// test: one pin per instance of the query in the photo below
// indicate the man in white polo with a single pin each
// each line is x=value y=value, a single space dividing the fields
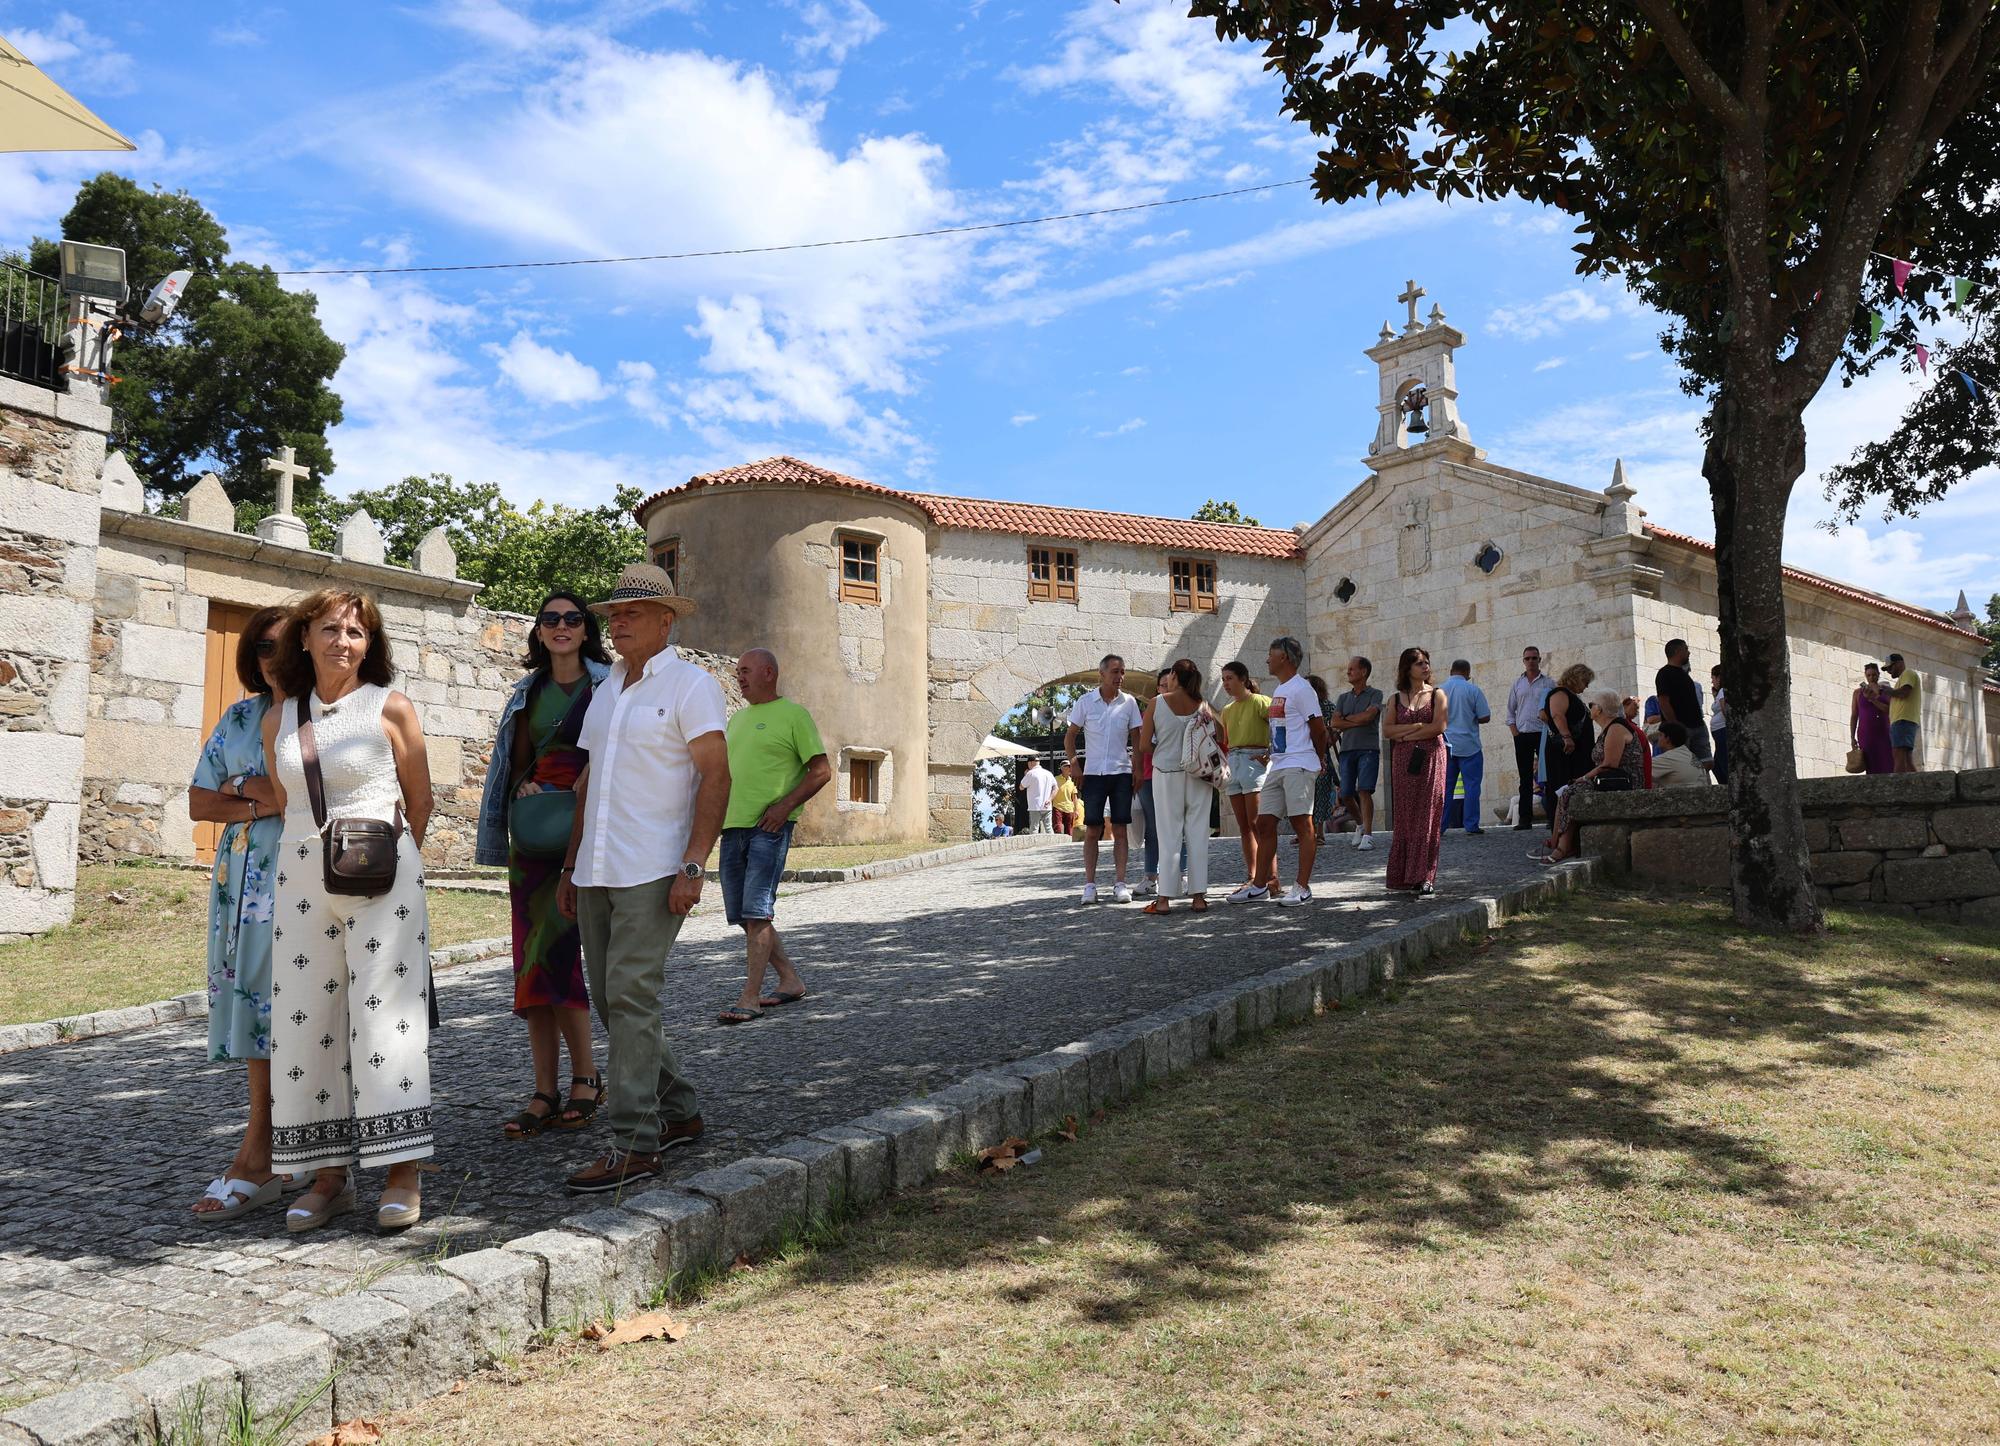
x=1106 y=721
x=1298 y=737
x=1038 y=786
x=649 y=806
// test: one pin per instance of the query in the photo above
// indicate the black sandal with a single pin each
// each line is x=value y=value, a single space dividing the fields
x=576 y=1114
x=527 y=1124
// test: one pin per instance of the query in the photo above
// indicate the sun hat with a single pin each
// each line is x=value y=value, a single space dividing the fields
x=643 y=582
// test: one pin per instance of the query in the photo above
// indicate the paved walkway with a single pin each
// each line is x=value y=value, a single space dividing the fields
x=919 y=980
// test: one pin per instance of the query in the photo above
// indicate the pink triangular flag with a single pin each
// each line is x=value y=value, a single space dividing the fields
x=1924 y=357
x=1902 y=270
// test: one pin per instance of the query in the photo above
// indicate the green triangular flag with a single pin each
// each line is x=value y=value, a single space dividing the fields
x=1875 y=325
x=1960 y=289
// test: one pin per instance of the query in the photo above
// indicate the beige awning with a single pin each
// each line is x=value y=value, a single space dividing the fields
x=1002 y=748
x=36 y=114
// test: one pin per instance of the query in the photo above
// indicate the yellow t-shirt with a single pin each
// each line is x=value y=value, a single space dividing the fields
x=1065 y=800
x=1246 y=723
x=1910 y=709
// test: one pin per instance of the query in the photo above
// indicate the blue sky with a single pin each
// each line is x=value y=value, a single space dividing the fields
x=1142 y=362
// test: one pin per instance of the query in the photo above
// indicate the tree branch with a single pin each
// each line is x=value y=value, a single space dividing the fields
x=1708 y=88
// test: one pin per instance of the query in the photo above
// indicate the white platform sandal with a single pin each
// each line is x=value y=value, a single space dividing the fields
x=239 y=1196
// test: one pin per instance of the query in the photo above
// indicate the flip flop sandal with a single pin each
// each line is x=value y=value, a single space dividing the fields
x=238 y=1197
x=576 y=1114
x=303 y=1217
x=527 y=1124
x=738 y=1014
x=1158 y=906
x=780 y=998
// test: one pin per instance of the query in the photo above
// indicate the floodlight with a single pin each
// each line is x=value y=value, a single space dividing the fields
x=89 y=270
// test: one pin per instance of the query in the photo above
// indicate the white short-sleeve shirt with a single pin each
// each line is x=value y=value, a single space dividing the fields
x=639 y=811
x=1293 y=705
x=1040 y=786
x=1107 y=731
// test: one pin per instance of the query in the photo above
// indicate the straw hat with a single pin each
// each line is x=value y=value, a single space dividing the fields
x=643 y=582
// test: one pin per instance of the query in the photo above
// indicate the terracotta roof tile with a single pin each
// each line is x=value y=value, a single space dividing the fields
x=1026 y=519
x=1827 y=584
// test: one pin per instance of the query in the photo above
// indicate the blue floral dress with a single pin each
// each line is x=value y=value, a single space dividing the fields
x=241 y=899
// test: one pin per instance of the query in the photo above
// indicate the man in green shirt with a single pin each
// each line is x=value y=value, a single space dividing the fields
x=776 y=763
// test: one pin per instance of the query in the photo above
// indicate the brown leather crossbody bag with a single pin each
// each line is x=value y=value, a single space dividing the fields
x=359 y=853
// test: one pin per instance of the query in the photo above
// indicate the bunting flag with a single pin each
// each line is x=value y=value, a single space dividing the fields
x=1970 y=385
x=1902 y=270
x=1876 y=321
x=1961 y=288
x=1923 y=357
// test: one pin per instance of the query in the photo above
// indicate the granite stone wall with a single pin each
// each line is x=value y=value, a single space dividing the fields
x=1924 y=844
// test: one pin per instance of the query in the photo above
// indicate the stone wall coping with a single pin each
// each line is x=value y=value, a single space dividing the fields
x=930 y=859
x=542 y=1281
x=247 y=547
x=1858 y=790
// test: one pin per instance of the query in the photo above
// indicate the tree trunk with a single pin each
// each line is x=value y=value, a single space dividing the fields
x=1756 y=451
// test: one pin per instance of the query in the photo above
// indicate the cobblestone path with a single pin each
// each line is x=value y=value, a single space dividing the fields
x=918 y=980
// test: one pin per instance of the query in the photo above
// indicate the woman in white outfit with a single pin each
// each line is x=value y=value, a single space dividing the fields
x=1183 y=799
x=350 y=1041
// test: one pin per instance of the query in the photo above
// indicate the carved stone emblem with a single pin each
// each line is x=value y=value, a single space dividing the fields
x=1413 y=543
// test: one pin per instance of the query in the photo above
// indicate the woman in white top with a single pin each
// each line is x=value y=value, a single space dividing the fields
x=1183 y=799
x=350 y=1040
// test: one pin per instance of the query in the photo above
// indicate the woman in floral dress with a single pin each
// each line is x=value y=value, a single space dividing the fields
x=232 y=787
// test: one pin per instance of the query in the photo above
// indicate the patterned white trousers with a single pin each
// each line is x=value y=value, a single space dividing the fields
x=350 y=1026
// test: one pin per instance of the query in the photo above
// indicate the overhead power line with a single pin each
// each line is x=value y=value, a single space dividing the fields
x=795 y=245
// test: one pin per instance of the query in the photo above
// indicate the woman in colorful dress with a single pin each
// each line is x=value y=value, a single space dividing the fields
x=536 y=752
x=1868 y=723
x=232 y=787
x=1617 y=765
x=1417 y=758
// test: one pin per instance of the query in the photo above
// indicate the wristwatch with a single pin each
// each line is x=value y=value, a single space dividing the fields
x=693 y=871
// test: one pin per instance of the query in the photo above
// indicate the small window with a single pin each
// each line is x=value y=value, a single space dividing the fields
x=1191 y=583
x=667 y=557
x=863 y=779
x=860 y=570
x=1051 y=574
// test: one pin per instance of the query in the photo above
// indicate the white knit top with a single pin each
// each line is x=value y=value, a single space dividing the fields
x=356 y=760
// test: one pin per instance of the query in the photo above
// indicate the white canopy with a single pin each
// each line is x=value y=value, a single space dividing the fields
x=36 y=114
x=1002 y=748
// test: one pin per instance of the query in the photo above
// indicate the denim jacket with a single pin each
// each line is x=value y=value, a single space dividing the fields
x=492 y=848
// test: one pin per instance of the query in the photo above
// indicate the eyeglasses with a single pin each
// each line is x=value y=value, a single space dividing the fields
x=267 y=647
x=554 y=619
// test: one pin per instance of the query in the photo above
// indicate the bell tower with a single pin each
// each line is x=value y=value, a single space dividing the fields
x=1418 y=406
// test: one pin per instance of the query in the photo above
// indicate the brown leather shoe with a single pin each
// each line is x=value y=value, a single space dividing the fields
x=614 y=1172
x=680 y=1132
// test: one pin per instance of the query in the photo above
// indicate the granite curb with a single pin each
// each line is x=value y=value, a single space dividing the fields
x=908 y=863
x=413 y=1333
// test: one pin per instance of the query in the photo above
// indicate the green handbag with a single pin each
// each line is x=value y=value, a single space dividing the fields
x=539 y=824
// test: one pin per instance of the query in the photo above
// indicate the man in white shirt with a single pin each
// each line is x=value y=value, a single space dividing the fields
x=649 y=807
x=1038 y=785
x=1298 y=737
x=1106 y=721
x=1525 y=702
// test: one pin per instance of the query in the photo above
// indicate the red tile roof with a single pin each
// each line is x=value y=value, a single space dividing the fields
x=1025 y=519
x=1827 y=584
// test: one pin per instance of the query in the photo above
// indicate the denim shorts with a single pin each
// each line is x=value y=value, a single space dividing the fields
x=1902 y=735
x=1107 y=790
x=752 y=863
x=1246 y=771
x=1359 y=771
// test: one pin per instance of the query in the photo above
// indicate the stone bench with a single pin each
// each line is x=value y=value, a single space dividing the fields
x=1910 y=843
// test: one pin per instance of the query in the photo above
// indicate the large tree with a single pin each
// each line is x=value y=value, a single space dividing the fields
x=1735 y=163
x=239 y=371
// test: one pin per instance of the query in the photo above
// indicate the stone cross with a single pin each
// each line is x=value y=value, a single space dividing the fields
x=285 y=464
x=1411 y=294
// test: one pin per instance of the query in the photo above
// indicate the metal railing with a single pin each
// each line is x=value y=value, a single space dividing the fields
x=31 y=326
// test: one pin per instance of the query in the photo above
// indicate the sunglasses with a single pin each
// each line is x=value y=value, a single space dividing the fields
x=554 y=619
x=267 y=647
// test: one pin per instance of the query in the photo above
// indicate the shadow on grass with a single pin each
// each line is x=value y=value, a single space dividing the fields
x=1571 y=1054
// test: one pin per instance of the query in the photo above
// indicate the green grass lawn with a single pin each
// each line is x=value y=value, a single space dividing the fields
x=1620 y=1173
x=141 y=934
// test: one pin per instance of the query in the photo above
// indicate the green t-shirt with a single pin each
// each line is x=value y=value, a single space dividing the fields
x=770 y=745
x=1246 y=723
x=1910 y=709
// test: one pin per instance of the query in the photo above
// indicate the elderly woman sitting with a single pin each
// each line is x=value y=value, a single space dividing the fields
x=1618 y=764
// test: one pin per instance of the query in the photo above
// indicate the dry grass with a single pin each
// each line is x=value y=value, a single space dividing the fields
x=1621 y=1174
x=141 y=934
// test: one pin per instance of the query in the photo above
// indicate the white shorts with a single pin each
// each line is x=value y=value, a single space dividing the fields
x=1287 y=793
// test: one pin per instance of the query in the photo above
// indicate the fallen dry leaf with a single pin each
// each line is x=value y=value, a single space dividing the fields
x=653 y=1325
x=995 y=1159
x=1097 y=1117
x=351 y=1433
x=1068 y=1130
x=457 y=1389
x=743 y=1262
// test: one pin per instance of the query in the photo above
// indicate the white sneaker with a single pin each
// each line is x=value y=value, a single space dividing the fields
x=1354 y=839
x=1121 y=893
x=1249 y=893
x=1294 y=896
x=1366 y=843
x=1090 y=893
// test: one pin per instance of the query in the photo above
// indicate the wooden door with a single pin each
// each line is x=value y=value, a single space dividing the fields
x=220 y=688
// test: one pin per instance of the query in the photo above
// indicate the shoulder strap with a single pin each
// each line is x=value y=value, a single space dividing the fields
x=309 y=759
x=562 y=724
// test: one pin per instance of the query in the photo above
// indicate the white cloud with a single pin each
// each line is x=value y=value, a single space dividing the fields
x=1130 y=424
x=1154 y=57
x=1021 y=419
x=1550 y=364
x=234 y=35
x=75 y=55
x=642 y=392
x=1138 y=371
x=835 y=29
x=543 y=374
x=1568 y=307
